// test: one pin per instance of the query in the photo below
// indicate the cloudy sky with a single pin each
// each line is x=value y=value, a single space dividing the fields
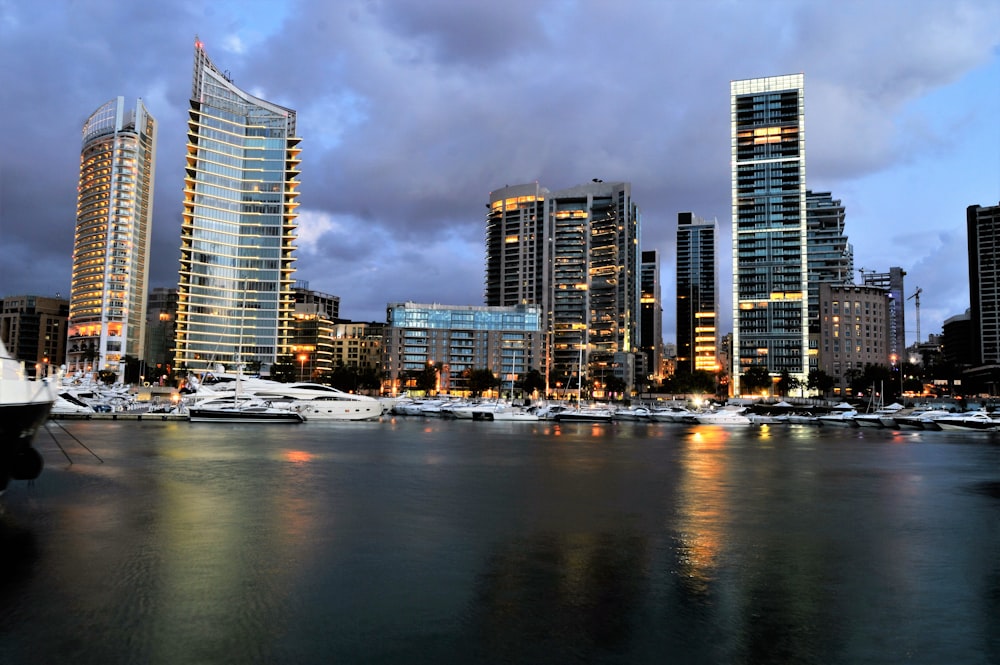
x=411 y=112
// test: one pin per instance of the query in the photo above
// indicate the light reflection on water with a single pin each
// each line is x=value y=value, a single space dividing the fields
x=435 y=541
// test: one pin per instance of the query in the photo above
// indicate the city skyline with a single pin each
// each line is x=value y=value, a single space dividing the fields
x=409 y=118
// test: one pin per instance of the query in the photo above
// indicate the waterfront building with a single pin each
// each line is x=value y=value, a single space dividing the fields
x=594 y=287
x=650 y=359
x=854 y=331
x=769 y=234
x=454 y=339
x=358 y=345
x=957 y=348
x=697 y=294
x=892 y=283
x=983 y=227
x=33 y=329
x=235 y=301
x=161 y=320
x=515 y=246
x=114 y=212
x=323 y=304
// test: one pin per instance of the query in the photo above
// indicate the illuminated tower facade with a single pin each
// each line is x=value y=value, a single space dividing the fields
x=769 y=234
x=697 y=294
x=107 y=311
x=234 y=295
x=515 y=246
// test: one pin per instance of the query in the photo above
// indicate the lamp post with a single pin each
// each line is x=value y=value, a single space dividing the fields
x=302 y=366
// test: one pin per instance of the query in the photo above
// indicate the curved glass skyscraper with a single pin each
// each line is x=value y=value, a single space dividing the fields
x=107 y=312
x=234 y=295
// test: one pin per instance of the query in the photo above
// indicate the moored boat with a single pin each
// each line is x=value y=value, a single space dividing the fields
x=24 y=406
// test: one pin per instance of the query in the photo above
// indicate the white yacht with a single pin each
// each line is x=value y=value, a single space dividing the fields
x=314 y=401
x=24 y=407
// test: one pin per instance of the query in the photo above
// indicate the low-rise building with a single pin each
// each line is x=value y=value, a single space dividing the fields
x=854 y=331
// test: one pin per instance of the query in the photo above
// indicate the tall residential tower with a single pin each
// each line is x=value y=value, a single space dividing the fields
x=114 y=212
x=234 y=295
x=697 y=294
x=770 y=259
x=983 y=224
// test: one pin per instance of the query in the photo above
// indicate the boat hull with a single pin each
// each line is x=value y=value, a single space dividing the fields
x=19 y=422
x=196 y=415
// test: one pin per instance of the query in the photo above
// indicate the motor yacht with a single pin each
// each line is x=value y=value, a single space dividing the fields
x=24 y=406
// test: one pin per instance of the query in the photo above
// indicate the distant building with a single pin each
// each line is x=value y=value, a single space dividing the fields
x=235 y=301
x=892 y=284
x=697 y=294
x=33 y=329
x=320 y=303
x=957 y=347
x=983 y=226
x=358 y=345
x=454 y=338
x=769 y=221
x=853 y=331
x=114 y=212
x=161 y=321
x=650 y=317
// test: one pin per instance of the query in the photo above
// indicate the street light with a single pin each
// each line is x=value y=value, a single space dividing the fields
x=302 y=366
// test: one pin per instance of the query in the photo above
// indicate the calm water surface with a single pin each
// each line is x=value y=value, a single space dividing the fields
x=429 y=541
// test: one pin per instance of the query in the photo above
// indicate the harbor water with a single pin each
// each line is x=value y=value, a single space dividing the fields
x=435 y=541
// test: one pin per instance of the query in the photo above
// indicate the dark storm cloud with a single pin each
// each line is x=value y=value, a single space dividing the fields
x=412 y=112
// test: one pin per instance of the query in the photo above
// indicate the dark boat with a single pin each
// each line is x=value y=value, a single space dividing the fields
x=24 y=407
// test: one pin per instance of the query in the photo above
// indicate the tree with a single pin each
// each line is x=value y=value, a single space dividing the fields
x=820 y=381
x=427 y=378
x=787 y=383
x=480 y=380
x=532 y=381
x=755 y=379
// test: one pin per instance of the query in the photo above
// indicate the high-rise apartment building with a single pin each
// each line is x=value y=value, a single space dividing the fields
x=697 y=294
x=769 y=235
x=983 y=226
x=831 y=256
x=853 y=330
x=515 y=246
x=114 y=212
x=33 y=329
x=892 y=283
x=651 y=314
x=234 y=294
x=595 y=276
x=575 y=253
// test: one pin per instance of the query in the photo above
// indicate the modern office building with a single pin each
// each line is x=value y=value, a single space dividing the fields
x=892 y=283
x=515 y=246
x=114 y=212
x=234 y=295
x=769 y=226
x=650 y=315
x=452 y=339
x=697 y=294
x=854 y=331
x=33 y=330
x=594 y=283
x=983 y=226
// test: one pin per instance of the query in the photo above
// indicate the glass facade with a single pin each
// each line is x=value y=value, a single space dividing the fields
x=235 y=301
x=983 y=226
x=697 y=294
x=769 y=236
x=107 y=315
x=455 y=339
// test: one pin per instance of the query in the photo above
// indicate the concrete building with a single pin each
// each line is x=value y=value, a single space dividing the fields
x=892 y=284
x=697 y=294
x=509 y=341
x=33 y=329
x=769 y=226
x=235 y=301
x=854 y=331
x=114 y=212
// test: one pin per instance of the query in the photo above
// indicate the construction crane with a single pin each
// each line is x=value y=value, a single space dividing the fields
x=916 y=298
